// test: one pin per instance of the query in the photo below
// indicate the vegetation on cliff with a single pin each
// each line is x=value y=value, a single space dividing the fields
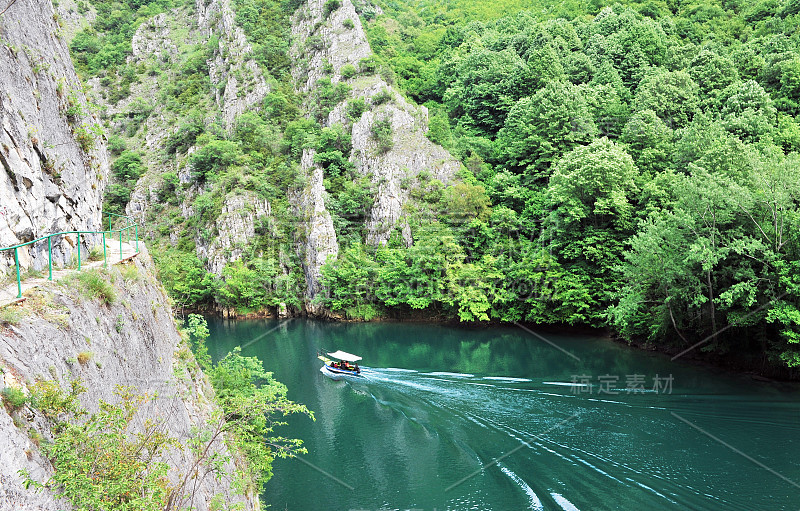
x=115 y=458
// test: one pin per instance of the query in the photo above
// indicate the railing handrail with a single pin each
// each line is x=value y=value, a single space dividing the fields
x=67 y=232
x=131 y=225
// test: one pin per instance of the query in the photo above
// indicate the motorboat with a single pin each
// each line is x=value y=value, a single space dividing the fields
x=340 y=363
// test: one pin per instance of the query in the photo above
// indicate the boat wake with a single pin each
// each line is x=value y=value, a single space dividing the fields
x=478 y=416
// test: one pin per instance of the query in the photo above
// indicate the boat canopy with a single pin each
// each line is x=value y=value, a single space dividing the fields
x=347 y=357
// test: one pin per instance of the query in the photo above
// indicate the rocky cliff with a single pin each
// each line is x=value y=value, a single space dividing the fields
x=61 y=334
x=232 y=230
x=53 y=168
x=238 y=81
x=53 y=162
x=333 y=44
x=237 y=85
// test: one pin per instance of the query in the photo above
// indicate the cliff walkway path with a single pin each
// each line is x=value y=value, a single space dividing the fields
x=115 y=250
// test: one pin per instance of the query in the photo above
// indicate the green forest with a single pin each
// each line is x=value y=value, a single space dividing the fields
x=632 y=166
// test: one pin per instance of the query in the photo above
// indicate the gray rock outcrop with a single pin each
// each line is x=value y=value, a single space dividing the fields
x=323 y=46
x=315 y=236
x=242 y=82
x=132 y=342
x=53 y=162
x=238 y=86
x=232 y=230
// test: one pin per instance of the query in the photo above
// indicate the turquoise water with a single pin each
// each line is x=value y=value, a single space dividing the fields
x=499 y=419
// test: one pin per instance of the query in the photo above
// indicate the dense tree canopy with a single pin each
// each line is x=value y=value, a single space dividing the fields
x=637 y=160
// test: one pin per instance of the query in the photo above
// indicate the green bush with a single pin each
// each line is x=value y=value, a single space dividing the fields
x=116 y=144
x=328 y=96
x=196 y=328
x=368 y=65
x=348 y=71
x=128 y=167
x=84 y=138
x=330 y=6
x=214 y=158
x=93 y=285
x=96 y=253
x=333 y=148
x=190 y=127
x=315 y=43
x=355 y=107
x=13 y=398
x=382 y=97
x=116 y=198
x=348 y=23
x=383 y=134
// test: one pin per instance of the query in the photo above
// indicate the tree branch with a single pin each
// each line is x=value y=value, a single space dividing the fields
x=8 y=6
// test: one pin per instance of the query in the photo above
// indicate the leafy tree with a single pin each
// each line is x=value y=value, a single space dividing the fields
x=184 y=277
x=649 y=141
x=333 y=150
x=591 y=195
x=540 y=128
x=190 y=127
x=100 y=461
x=128 y=167
x=254 y=404
x=196 y=328
x=487 y=85
x=713 y=73
x=748 y=111
x=634 y=44
x=464 y=202
x=708 y=145
x=672 y=95
x=213 y=158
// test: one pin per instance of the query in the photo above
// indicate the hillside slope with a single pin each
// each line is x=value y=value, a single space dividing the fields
x=221 y=145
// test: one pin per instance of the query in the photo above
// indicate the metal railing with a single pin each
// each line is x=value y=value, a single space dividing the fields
x=131 y=225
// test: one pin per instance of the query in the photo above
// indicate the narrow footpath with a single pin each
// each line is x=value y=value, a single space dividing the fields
x=8 y=290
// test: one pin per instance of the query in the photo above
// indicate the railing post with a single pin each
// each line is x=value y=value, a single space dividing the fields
x=105 y=258
x=120 y=244
x=50 y=256
x=136 y=231
x=79 y=251
x=19 y=282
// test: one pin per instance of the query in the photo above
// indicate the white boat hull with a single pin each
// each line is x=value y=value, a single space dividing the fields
x=338 y=374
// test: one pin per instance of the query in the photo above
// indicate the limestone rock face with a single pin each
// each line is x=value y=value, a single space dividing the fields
x=232 y=230
x=316 y=237
x=339 y=45
x=53 y=162
x=244 y=84
x=411 y=153
x=238 y=85
x=322 y=42
x=132 y=342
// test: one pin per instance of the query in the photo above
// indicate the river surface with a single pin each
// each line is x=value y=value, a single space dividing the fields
x=449 y=418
